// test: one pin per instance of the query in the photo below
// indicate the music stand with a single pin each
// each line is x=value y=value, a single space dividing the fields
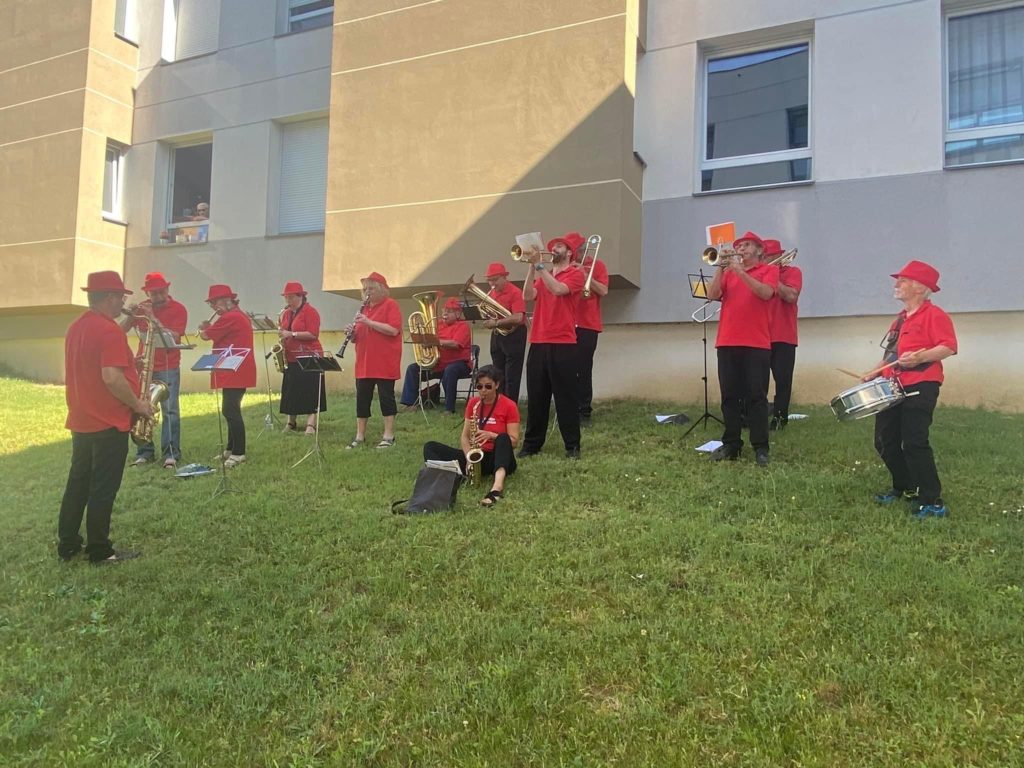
x=699 y=290
x=471 y=312
x=320 y=365
x=262 y=324
x=427 y=339
x=225 y=359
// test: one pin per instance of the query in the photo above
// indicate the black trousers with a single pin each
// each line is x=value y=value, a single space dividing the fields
x=508 y=354
x=551 y=372
x=901 y=439
x=364 y=396
x=97 y=466
x=743 y=377
x=782 y=363
x=501 y=457
x=231 y=407
x=586 y=346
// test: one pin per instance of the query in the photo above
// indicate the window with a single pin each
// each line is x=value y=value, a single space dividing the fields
x=113 y=182
x=985 y=98
x=190 y=213
x=309 y=14
x=303 y=176
x=756 y=128
x=125 y=20
x=197 y=26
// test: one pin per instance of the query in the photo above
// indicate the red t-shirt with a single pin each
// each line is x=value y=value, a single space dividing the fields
x=928 y=327
x=505 y=412
x=782 y=315
x=458 y=331
x=95 y=342
x=173 y=316
x=744 y=318
x=511 y=298
x=554 y=317
x=305 y=319
x=233 y=329
x=379 y=356
x=588 y=312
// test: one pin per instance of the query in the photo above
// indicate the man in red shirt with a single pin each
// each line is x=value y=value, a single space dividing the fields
x=508 y=350
x=102 y=393
x=919 y=339
x=745 y=287
x=588 y=326
x=453 y=363
x=551 y=368
x=173 y=318
x=782 y=312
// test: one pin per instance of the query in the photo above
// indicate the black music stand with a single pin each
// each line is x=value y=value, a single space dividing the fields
x=321 y=365
x=699 y=290
x=262 y=324
x=226 y=359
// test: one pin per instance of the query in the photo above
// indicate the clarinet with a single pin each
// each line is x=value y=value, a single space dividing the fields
x=350 y=334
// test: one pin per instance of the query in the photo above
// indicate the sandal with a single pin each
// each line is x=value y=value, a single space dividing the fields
x=233 y=461
x=386 y=442
x=310 y=429
x=290 y=427
x=491 y=498
x=357 y=443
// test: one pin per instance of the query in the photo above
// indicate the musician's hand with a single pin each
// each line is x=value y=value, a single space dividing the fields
x=350 y=329
x=483 y=435
x=911 y=359
x=204 y=325
x=736 y=265
x=490 y=324
x=283 y=334
x=143 y=408
x=361 y=318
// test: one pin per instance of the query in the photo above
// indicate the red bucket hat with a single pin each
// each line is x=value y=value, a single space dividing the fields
x=496 y=269
x=107 y=281
x=748 y=235
x=293 y=287
x=925 y=274
x=772 y=248
x=220 y=292
x=155 y=281
x=453 y=303
x=377 y=277
x=572 y=241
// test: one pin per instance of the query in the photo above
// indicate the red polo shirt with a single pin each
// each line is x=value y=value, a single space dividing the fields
x=233 y=329
x=928 y=327
x=458 y=331
x=379 y=356
x=505 y=412
x=305 y=319
x=511 y=298
x=95 y=342
x=173 y=316
x=588 y=312
x=744 y=319
x=782 y=315
x=554 y=317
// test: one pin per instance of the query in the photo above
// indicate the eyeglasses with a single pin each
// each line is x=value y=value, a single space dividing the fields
x=485 y=386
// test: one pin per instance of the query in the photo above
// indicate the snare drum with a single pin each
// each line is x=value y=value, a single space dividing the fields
x=867 y=399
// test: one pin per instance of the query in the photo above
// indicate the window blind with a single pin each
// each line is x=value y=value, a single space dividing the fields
x=303 y=176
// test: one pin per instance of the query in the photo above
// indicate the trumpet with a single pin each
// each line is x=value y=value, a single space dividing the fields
x=593 y=242
x=717 y=257
x=518 y=255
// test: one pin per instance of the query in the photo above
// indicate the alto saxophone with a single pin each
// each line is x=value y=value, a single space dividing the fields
x=475 y=454
x=280 y=362
x=156 y=391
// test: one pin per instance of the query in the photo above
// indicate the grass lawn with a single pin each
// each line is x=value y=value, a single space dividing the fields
x=640 y=607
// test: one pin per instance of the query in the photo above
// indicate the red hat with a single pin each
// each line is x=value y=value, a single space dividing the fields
x=925 y=274
x=572 y=241
x=293 y=287
x=220 y=292
x=155 y=281
x=496 y=269
x=453 y=303
x=107 y=281
x=748 y=236
x=772 y=248
x=377 y=277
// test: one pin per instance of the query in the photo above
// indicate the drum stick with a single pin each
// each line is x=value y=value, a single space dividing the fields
x=849 y=373
x=881 y=368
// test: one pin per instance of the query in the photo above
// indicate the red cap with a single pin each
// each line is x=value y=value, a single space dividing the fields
x=107 y=281
x=772 y=248
x=453 y=303
x=748 y=235
x=925 y=274
x=377 y=277
x=155 y=281
x=220 y=292
x=572 y=241
x=293 y=287
x=496 y=269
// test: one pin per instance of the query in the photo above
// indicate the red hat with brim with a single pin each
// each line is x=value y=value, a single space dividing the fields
x=377 y=277
x=453 y=303
x=925 y=274
x=772 y=248
x=497 y=269
x=155 y=281
x=748 y=237
x=107 y=281
x=572 y=241
x=220 y=292
x=293 y=288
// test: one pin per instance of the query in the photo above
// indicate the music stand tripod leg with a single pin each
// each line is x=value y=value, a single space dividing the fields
x=707 y=415
x=315 y=450
x=270 y=421
x=222 y=484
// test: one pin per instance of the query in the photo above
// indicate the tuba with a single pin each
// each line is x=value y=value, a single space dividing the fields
x=155 y=390
x=488 y=308
x=424 y=321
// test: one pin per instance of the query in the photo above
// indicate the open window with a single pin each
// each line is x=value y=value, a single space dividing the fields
x=113 y=182
x=188 y=217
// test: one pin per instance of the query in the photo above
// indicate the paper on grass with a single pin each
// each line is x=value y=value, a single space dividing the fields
x=671 y=418
x=709 y=446
x=797 y=416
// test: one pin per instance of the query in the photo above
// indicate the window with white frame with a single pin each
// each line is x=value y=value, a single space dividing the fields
x=189 y=194
x=126 y=20
x=985 y=87
x=113 y=182
x=309 y=14
x=756 y=118
x=303 y=196
x=197 y=27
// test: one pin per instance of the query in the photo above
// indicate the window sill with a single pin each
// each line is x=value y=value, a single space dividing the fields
x=278 y=235
x=301 y=31
x=181 y=244
x=990 y=164
x=114 y=220
x=128 y=40
x=704 y=193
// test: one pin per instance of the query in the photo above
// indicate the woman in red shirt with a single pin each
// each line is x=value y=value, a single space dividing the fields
x=301 y=391
x=377 y=334
x=497 y=433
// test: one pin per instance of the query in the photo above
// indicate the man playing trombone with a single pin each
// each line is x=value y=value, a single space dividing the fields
x=589 y=325
x=782 y=321
x=508 y=351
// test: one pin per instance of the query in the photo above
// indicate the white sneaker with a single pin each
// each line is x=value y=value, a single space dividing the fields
x=139 y=462
x=233 y=461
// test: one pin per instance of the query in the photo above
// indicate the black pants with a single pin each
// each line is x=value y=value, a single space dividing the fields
x=501 y=457
x=782 y=363
x=97 y=466
x=231 y=407
x=551 y=371
x=743 y=376
x=508 y=354
x=586 y=346
x=364 y=396
x=901 y=439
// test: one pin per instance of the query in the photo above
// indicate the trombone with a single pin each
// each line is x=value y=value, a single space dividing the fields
x=593 y=242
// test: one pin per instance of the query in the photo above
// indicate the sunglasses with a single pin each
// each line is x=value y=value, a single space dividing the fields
x=485 y=386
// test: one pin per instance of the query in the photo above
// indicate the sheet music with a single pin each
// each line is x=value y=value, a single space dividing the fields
x=529 y=241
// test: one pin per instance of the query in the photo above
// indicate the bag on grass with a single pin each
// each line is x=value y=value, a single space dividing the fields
x=437 y=485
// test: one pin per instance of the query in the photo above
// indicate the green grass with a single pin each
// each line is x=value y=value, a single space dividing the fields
x=638 y=608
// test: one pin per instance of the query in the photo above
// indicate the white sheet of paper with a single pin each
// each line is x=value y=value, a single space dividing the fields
x=797 y=416
x=709 y=446
x=664 y=418
x=530 y=240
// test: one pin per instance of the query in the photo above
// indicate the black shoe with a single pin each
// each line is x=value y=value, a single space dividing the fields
x=525 y=454
x=67 y=557
x=119 y=556
x=725 y=453
x=586 y=421
x=761 y=457
x=572 y=453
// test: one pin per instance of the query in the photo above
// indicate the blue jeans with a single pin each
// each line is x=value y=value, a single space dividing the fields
x=170 y=419
x=449 y=376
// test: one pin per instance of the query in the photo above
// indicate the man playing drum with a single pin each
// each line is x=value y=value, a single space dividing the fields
x=918 y=340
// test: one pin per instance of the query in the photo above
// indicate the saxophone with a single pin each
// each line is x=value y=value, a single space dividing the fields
x=474 y=455
x=156 y=391
x=280 y=362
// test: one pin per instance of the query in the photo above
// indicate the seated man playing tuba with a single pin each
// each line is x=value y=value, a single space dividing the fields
x=450 y=363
